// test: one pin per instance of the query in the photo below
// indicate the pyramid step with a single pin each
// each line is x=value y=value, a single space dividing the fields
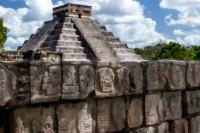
x=70 y=49
x=123 y=50
x=112 y=39
x=67 y=20
x=69 y=37
x=65 y=25
x=117 y=46
x=102 y=28
x=68 y=43
x=62 y=43
x=107 y=34
x=64 y=31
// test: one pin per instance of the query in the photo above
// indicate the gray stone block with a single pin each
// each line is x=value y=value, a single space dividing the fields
x=193 y=74
x=162 y=75
x=194 y=125
x=153 y=109
x=172 y=106
x=180 y=126
x=20 y=70
x=155 y=75
x=130 y=77
x=45 y=82
x=163 y=128
x=192 y=102
x=176 y=75
x=111 y=115
x=105 y=83
x=160 y=108
x=135 y=113
x=7 y=85
x=76 y=118
x=78 y=82
x=33 y=120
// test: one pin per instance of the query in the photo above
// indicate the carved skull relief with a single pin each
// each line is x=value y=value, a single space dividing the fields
x=106 y=77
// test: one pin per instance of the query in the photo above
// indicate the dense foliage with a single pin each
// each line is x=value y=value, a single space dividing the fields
x=3 y=35
x=171 y=50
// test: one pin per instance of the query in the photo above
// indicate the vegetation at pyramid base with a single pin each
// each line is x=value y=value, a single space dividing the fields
x=171 y=50
x=3 y=34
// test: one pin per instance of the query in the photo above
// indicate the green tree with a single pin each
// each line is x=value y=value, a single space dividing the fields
x=175 y=51
x=194 y=52
x=3 y=34
x=150 y=52
x=171 y=50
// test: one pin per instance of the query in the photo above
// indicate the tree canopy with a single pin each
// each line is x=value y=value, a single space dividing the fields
x=3 y=34
x=171 y=50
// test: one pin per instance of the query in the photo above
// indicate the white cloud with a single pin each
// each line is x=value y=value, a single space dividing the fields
x=188 y=37
x=125 y=18
x=24 y=21
x=179 y=32
x=39 y=9
x=188 y=12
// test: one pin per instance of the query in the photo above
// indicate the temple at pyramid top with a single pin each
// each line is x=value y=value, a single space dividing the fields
x=78 y=37
x=72 y=10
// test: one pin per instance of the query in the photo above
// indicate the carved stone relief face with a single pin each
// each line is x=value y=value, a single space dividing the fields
x=33 y=120
x=70 y=84
x=106 y=78
x=45 y=82
x=86 y=79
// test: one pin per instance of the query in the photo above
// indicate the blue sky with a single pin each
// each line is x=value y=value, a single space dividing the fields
x=136 y=22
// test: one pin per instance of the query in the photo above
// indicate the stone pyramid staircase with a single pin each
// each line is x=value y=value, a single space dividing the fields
x=65 y=39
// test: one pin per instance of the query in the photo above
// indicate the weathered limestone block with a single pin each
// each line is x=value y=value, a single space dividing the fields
x=192 y=101
x=146 y=130
x=33 y=120
x=155 y=75
x=180 y=126
x=70 y=87
x=7 y=85
x=86 y=80
x=193 y=74
x=130 y=77
x=78 y=82
x=135 y=113
x=111 y=115
x=176 y=75
x=22 y=86
x=153 y=109
x=165 y=75
x=45 y=81
x=105 y=83
x=76 y=118
x=194 y=125
x=160 y=108
x=172 y=106
x=163 y=128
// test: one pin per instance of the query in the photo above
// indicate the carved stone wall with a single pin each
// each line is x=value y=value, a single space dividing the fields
x=133 y=97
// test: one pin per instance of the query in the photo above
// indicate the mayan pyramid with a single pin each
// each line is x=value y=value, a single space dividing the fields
x=78 y=37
